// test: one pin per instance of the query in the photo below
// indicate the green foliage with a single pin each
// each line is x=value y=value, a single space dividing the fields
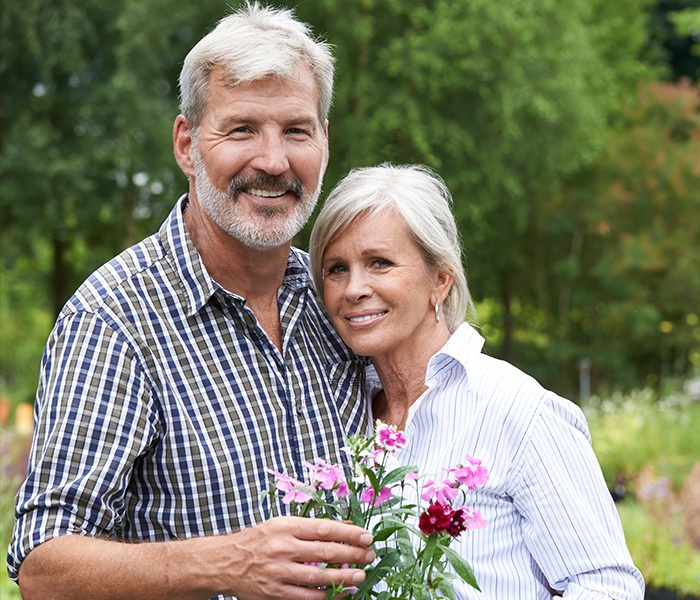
x=636 y=430
x=23 y=332
x=523 y=106
x=650 y=445
x=642 y=237
x=509 y=101
x=13 y=456
x=85 y=160
x=660 y=556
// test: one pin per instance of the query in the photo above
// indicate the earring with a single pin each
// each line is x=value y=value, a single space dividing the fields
x=437 y=311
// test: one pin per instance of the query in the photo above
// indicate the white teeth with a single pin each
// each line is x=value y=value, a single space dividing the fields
x=266 y=193
x=365 y=318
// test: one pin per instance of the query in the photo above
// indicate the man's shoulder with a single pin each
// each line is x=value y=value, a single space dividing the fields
x=126 y=270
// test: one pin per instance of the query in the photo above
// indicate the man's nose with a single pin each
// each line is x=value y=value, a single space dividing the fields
x=272 y=155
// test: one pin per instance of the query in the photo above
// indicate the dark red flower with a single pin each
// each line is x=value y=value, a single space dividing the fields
x=442 y=517
x=435 y=519
x=457 y=523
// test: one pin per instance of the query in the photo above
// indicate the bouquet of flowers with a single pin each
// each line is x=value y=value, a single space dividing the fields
x=389 y=500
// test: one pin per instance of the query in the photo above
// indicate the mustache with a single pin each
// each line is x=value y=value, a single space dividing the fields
x=265 y=182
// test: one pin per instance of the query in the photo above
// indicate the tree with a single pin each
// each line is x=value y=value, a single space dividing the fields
x=86 y=167
x=506 y=100
x=645 y=239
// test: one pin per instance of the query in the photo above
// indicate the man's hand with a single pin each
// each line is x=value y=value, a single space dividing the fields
x=265 y=562
x=272 y=560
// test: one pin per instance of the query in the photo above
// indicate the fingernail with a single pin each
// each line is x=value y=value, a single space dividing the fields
x=358 y=578
x=366 y=539
x=370 y=556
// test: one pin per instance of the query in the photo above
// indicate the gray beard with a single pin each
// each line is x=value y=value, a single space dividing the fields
x=268 y=227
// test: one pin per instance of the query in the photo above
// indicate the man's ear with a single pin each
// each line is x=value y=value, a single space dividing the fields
x=183 y=145
x=327 y=149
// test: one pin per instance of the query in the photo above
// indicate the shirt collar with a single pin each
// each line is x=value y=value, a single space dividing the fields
x=463 y=347
x=197 y=285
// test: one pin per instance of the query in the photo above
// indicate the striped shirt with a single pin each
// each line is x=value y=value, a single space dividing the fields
x=162 y=402
x=551 y=522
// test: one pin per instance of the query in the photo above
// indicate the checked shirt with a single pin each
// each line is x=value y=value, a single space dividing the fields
x=162 y=403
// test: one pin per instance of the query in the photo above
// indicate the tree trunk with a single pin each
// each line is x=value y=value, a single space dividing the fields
x=59 y=273
x=507 y=345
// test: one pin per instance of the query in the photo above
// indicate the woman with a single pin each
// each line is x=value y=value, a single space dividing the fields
x=386 y=258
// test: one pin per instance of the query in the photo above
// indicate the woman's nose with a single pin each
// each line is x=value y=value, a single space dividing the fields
x=358 y=285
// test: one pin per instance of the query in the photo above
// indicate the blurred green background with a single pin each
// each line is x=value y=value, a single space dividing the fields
x=568 y=132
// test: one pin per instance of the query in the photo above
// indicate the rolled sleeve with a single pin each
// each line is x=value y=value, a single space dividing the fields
x=571 y=525
x=93 y=419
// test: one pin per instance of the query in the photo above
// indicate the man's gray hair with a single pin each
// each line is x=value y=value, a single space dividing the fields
x=253 y=43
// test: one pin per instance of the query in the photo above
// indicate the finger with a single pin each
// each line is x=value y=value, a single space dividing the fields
x=331 y=553
x=315 y=576
x=331 y=531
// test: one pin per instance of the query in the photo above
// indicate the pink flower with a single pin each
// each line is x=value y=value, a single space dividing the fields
x=367 y=496
x=443 y=492
x=329 y=477
x=299 y=495
x=295 y=490
x=285 y=483
x=472 y=473
x=474 y=520
x=389 y=437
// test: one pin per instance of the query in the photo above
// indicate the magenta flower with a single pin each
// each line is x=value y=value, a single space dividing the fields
x=298 y=494
x=472 y=473
x=474 y=520
x=368 y=497
x=285 y=483
x=443 y=492
x=389 y=437
x=329 y=477
x=295 y=490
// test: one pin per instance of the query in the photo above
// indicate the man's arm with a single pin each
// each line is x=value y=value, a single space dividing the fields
x=265 y=562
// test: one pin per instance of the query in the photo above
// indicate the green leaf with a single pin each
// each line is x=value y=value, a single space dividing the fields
x=397 y=475
x=376 y=572
x=428 y=552
x=382 y=534
x=461 y=567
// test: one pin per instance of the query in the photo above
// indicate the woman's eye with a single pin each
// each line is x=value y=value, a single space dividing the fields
x=380 y=263
x=335 y=271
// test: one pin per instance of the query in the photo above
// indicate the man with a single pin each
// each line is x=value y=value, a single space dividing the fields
x=194 y=362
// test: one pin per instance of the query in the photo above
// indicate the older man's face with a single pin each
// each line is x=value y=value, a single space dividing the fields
x=260 y=157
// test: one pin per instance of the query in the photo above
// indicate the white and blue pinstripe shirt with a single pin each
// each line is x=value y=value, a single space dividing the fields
x=161 y=402
x=551 y=522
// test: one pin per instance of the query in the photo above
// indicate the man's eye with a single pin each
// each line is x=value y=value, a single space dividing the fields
x=237 y=131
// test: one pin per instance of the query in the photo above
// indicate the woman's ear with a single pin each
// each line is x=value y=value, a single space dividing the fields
x=442 y=284
x=183 y=145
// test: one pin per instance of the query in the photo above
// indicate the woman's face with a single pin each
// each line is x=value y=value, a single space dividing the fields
x=378 y=291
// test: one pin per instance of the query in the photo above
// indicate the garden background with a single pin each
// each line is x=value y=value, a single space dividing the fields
x=568 y=132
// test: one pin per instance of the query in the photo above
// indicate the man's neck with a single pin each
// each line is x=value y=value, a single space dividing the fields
x=255 y=275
